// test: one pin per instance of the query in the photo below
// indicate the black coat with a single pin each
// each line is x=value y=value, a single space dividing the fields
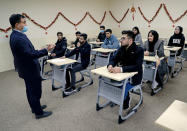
x=130 y=60
x=60 y=48
x=25 y=56
x=84 y=51
x=101 y=36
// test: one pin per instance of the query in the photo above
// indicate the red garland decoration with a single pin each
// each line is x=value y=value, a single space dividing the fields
x=99 y=23
x=151 y=20
x=170 y=17
x=45 y=28
x=119 y=21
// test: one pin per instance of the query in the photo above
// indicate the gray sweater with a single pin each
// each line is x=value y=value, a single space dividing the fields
x=159 y=46
x=138 y=39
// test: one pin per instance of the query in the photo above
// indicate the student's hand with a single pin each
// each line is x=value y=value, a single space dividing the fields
x=98 y=40
x=157 y=62
x=110 y=68
x=63 y=57
x=78 y=44
x=117 y=70
x=72 y=45
x=53 y=54
x=146 y=53
x=50 y=47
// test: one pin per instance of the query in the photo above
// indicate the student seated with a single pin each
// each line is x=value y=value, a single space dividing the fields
x=74 y=44
x=129 y=58
x=101 y=37
x=60 y=46
x=84 y=49
x=111 y=42
x=177 y=39
x=137 y=35
x=153 y=46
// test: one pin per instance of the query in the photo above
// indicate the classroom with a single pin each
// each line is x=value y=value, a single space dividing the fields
x=102 y=65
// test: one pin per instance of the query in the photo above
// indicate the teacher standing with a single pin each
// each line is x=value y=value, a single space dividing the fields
x=27 y=65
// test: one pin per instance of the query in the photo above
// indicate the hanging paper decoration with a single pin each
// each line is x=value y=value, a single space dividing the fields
x=133 y=11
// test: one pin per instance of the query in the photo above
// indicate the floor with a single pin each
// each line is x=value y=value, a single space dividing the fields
x=78 y=111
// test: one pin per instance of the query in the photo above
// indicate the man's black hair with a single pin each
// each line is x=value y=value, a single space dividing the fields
x=84 y=36
x=59 y=33
x=15 y=18
x=109 y=30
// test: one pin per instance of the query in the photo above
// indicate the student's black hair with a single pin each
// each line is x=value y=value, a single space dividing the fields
x=78 y=33
x=102 y=26
x=155 y=34
x=123 y=32
x=84 y=35
x=136 y=28
x=15 y=18
x=108 y=30
x=129 y=34
x=59 y=33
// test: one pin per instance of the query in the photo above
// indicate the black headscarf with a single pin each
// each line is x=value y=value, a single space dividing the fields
x=155 y=39
x=180 y=33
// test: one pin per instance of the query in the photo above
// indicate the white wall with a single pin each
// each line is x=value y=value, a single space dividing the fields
x=44 y=11
x=162 y=23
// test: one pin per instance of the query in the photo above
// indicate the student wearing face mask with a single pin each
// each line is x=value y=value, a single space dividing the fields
x=129 y=58
x=153 y=46
x=177 y=39
x=26 y=62
x=137 y=35
x=101 y=37
x=84 y=50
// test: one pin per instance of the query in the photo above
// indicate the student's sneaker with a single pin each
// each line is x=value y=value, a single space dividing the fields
x=71 y=89
x=126 y=103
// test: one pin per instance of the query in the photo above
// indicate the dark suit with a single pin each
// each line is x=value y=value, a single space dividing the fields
x=28 y=67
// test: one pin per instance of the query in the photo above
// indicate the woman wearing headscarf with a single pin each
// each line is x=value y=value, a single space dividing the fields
x=177 y=39
x=153 y=46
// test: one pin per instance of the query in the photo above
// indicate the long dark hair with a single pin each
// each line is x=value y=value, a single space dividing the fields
x=155 y=34
x=136 y=28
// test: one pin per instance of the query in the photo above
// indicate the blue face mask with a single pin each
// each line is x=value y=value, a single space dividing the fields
x=25 y=28
x=102 y=31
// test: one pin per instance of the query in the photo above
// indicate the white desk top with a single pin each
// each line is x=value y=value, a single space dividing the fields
x=185 y=48
x=71 y=48
x=60 y=62
x=175 y=117
x=103 y=71
x=171 y=48
x=103 y=50
x=151 y=58
x=95 y=43
x=185 y=42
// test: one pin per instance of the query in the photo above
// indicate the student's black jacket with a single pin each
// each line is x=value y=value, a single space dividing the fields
x=60 y=47
x=84 y=51
x=130 y=60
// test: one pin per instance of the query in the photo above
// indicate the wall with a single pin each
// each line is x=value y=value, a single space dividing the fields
x=162 y=23
x=44 y=11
